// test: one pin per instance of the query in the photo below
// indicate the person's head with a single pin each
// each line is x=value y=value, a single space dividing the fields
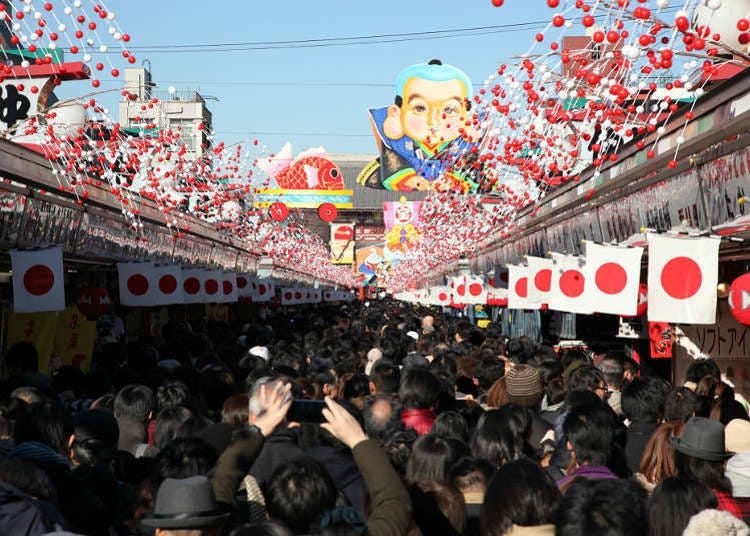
x=420 y=389
x=382 y=418
x=235 y=410
x=630 y=370
x=502 y=435
x=523 y=385
x=28 y=394
x=431 y=456
x=431 y=103
x=680 y=404
x=47 y=422
x=28 y=478
x=136 y=402
x=184 y=457
x=356 y=387
x=451 y=425
x=590 y=430
x=173 y=393
x=612 y=370
x=643 y=399
x=674 y=501
x=299 y=493
x=614 y=507
x=520 y=493
x=588 y=378
x=385 y=377
x=701 y=368
x=94 y=439
x=449 y=500
x=657 y=462
x=471 y=475
x=186 y=507
x=21 y=359
x=168 y=422
x=701 y=453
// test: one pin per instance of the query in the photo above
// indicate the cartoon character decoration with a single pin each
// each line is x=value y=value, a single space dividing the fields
x=428 y=139
x=311 y=170
x=402 y=223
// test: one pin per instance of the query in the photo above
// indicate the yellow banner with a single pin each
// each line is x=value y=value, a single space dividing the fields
x=36 y=328
x=74 y=339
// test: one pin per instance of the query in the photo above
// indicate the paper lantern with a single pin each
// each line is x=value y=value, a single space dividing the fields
x=93 y=301
x=739 y=299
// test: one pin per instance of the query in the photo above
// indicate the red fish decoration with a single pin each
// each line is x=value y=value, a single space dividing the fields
x=311 y=170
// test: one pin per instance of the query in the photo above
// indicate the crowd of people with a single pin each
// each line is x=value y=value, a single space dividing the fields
x=380 y=419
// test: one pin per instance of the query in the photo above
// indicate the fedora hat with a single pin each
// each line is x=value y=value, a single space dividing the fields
x=185 y=503
x=702 y=438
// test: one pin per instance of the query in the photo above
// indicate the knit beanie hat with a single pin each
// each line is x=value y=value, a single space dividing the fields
x=523 y=385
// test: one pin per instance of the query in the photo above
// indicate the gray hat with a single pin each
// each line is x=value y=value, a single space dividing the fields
x=185 y=503
x=702 y=438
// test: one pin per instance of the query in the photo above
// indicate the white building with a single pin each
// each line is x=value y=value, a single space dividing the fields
x=174 y=108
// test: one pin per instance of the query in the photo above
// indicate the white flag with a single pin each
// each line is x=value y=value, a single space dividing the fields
x=682 y=278
x=167 y=285
x=518 y=289
x=192 y=285
x=614 y=273
x=228 y=292
x=244 y=283
x=568 y=291
x=441 y=295
x=38 y=280
x=137 y=284
x=264 y=290
x=288 y=296
x=539 y=273
x=212 y=287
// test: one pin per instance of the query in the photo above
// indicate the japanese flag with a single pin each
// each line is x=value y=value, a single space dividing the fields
x=475 y=290
x=264 y=290
x=682 y=278
x=539 y=275
x=212 y=286
x=288 y=296
x=518 y=289
x=440 y=295
x=244 y=284
x=167 y=285
x=38 y=280
x=569 y=285
x=192 y=285
x=137 y=284
x=614 y=273
x=228 y=290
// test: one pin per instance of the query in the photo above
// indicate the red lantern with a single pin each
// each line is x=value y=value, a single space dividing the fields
x=739 y=299
x=93 y=301
x=327 y=212
x=278 y=211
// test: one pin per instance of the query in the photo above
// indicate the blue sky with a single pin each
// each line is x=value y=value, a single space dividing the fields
x=295 y=92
